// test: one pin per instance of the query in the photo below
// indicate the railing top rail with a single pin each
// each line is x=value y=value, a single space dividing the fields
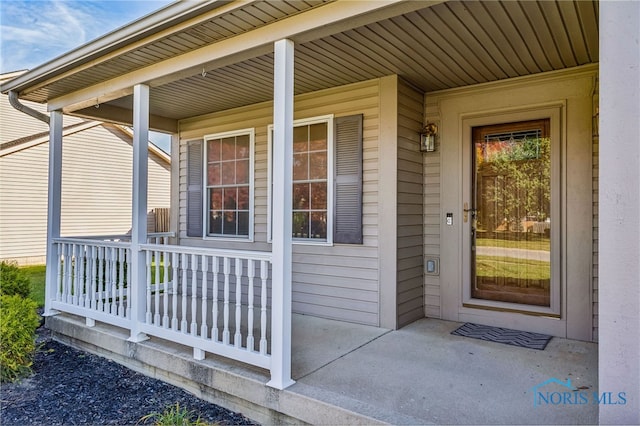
x=241 y=254
x=120 y=236
x=90 y=242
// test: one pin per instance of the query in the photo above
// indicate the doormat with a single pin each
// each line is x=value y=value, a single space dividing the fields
x=524 y=339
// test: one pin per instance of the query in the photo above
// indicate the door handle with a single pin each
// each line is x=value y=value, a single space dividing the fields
x=466 y=210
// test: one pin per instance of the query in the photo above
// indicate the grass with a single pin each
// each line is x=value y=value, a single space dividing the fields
x=521 y=269
x=36 y=275
x=173 y=415
x=522 y=244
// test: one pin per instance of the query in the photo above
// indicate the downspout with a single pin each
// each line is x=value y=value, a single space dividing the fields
x=15 y=102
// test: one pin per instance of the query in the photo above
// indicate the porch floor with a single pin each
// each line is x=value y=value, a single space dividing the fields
x=353 y=374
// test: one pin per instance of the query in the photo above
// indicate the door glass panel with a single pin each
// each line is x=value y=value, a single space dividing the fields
x=511 y=213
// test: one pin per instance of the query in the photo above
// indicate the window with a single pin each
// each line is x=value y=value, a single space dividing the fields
x=229 y=184
x=327 y=180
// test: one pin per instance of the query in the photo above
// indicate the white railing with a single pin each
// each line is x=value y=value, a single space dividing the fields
x=212 y=300
x=215 y=301
x=92 y=279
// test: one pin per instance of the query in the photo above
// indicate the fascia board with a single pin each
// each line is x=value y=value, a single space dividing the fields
x=143 y=30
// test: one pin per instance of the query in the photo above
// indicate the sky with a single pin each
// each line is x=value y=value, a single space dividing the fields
x=33 y=32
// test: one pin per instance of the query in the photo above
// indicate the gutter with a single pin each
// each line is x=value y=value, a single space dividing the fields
x=15 y=102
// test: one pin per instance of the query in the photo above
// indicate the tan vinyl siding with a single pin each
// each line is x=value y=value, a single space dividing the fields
x=410 y=294
x=96 y=191
x=16 y=125
x=596 y=177
x=431 y=191
x=23 y=205
x=338 y=282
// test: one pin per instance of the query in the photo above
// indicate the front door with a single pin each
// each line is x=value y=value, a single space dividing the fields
x=510 y=215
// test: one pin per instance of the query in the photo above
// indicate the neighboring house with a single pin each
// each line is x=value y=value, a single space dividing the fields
x=299 y=171
x=96 y=183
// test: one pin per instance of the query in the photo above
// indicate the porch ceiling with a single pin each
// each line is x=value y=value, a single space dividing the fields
x=446 y=45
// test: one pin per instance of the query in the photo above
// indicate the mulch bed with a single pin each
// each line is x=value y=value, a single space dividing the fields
x=71 y=387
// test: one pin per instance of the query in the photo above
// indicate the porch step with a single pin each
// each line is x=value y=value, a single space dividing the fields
x=221 y=381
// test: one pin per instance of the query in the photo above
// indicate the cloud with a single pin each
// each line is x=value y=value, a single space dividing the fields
x=34 y=32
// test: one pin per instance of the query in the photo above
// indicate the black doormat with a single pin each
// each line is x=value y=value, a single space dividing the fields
x=507 y=336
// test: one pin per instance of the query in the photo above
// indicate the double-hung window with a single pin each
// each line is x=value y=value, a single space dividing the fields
x=326 y=179
x=229 y=184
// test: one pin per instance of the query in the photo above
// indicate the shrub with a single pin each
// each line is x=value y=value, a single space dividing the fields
x=13 y=280
x=18 y=323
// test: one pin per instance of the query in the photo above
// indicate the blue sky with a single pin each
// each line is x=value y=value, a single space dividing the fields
x=33 y=32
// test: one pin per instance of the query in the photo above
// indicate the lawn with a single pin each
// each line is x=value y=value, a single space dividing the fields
x=543 y=244
x=521 y=269
x=36 y=275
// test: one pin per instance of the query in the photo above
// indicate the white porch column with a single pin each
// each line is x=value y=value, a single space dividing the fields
x=619 y=224
x=282 y=190
x=139 y=208
x=54 y=206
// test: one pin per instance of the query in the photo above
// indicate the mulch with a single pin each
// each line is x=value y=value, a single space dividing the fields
x=72 y=387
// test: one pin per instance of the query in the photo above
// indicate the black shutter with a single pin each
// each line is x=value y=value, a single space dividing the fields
x=348 y=180
x=194 y=188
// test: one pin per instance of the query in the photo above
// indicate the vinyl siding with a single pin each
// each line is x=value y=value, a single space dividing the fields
x=96 y=191
x=340 y=281
x=410 y=294
x=595 y=193
x=431 y=191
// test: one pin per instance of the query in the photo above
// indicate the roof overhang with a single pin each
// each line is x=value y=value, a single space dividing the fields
x=207 y=56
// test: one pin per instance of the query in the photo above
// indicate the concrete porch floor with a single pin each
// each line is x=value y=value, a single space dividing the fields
x=353 y=374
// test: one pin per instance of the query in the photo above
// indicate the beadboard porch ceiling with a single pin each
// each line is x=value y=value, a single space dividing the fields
x=433 y=45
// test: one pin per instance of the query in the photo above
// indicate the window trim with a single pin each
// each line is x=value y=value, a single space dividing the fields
x=328 y=119
x=205 y=188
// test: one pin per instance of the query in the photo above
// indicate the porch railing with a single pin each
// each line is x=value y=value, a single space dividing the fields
x=212 y=300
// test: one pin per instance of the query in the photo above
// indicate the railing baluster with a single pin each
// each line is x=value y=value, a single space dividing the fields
x=148 y=260
x=121 y=281
x=156 y=260
x=76 y=272
x=264 y=274
x=184 y=266
x=214 y=302
x=93 y=305
x=101 y=279
x=68 y=274
x=251 y=274
x=194 y=294
x=165 y=291
x=225 y=331
x=129 y=282
x=204 y=329
x=114 y=282
x=174 y=293
x=237 y=338
x=60 y=265
x=81 y=276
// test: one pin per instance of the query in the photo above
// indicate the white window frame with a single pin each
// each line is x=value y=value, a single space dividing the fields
x=205 y=193
x=328 y=119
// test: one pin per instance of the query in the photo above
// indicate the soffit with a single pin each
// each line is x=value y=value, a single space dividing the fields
x=452 y=44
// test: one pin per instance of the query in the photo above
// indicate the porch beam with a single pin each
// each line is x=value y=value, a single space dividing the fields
x=54 y=207
x=123 y=116
x=619 y=215
x=282 y=221
x=139 y=209
x=326 y=20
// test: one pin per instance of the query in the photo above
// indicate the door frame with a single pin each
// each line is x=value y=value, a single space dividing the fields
x=574 y=92
x=558 y=195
